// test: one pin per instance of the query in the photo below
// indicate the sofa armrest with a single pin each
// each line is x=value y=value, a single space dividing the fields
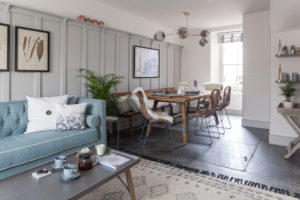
x=92 y=121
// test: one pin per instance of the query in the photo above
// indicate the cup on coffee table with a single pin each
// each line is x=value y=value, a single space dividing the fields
x=100 y=148
x=60 y=161
x=70 y=171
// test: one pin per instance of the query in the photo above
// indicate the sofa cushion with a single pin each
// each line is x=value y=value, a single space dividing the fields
x=23 y=148
x=42 y=112
x=123 y=104
x=70 y=117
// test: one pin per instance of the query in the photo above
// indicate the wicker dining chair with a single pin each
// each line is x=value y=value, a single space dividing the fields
x=152 y=117
x=205 y=113
x=224 y=104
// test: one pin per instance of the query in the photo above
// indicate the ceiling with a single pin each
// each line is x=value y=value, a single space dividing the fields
x=204 y=13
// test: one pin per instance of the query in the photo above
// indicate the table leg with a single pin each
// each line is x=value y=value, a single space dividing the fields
x=130 y=184
x=118 y=124
x=183 y=112
x=155 y=105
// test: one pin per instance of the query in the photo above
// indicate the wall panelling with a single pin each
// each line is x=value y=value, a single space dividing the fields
x=76 y=45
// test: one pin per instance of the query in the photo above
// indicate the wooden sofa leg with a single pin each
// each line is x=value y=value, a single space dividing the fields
x=131 y=126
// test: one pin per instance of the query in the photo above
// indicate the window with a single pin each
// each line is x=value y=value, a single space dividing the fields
x=232 y=65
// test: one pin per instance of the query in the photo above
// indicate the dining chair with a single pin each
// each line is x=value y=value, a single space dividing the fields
x=205 y=112
x=151 y=118
x=223 y=105
x=209 y=86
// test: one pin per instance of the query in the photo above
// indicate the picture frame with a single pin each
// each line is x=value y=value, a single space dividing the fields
x=4 y=46
x=32 y=50
x=146 y=62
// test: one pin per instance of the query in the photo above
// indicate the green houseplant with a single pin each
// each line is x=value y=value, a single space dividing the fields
x=288 y=90
x=101 y=88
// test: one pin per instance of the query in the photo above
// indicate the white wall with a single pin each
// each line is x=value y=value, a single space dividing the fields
x=280 y=131
x=285 y=26
x=195 y=60
x=112 y=17
x=256 y=72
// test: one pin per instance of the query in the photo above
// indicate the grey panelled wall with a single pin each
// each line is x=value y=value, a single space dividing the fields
x=74 y=45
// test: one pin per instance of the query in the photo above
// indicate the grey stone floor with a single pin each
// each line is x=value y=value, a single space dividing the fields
x=241 y=152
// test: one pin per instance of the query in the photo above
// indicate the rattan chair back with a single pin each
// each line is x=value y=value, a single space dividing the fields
x=226 y=97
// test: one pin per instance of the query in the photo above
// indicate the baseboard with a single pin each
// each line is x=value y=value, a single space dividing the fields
x=280 y=140
x=235 y=112
x=255 y=123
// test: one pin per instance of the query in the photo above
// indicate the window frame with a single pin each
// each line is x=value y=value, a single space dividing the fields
x=221 y=68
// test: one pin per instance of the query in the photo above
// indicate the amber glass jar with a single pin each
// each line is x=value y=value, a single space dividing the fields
x=85 y=162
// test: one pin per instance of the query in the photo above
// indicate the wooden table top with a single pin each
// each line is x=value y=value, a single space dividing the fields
x=177 y=98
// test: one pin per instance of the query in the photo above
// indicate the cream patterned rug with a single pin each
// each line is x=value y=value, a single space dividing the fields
x=154 y=180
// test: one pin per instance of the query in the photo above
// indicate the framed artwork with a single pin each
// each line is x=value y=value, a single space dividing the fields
x=4 y=47
x=32 y=50
x=146 y=62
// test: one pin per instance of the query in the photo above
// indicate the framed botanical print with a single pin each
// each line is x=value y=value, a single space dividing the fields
x=32 y=50
x=4 y=47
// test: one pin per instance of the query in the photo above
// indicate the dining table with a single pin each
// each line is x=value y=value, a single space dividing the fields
x=184 y=101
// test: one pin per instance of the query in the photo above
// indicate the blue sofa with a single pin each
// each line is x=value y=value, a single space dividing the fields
x=19 y=151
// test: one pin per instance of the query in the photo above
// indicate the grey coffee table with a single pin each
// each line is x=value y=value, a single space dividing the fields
x=23 y=186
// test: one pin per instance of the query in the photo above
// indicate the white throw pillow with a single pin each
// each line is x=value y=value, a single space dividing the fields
x=134 y=103
x=123 y=105
x=70 y=117
x=41 y=113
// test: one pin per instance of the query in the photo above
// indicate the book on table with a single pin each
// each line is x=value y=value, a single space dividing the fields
x=113 y=161
x=38 y=176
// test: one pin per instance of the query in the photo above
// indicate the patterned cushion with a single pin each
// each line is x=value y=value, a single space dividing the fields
x=70 y=117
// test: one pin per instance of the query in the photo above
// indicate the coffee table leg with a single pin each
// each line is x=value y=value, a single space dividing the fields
x=130 y=184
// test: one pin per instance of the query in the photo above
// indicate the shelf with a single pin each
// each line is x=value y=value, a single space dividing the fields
x=296 y=82
x=288 y=55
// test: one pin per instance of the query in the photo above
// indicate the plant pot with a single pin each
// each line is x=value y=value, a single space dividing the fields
x=288 y=104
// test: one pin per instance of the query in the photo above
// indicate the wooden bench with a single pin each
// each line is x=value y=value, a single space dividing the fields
x=130 y=115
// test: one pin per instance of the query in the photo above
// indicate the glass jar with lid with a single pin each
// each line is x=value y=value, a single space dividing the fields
x=85 y=161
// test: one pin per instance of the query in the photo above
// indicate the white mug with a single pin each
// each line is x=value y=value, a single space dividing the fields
x=70 y=171
x=60 y=160
x=100 y=148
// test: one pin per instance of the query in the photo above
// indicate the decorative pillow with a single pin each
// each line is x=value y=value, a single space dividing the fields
x=71 y=100
x=134 y=103
x=70 y=117
x=41 y=113
x=123 y=104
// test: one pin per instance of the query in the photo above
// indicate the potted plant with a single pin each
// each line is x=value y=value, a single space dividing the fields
x=288 y=90
x=101 y=88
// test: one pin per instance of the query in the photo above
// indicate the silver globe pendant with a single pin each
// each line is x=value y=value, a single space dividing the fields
x=203 y=42
x=159 y=36
x=182 y=32
x=204 y=33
